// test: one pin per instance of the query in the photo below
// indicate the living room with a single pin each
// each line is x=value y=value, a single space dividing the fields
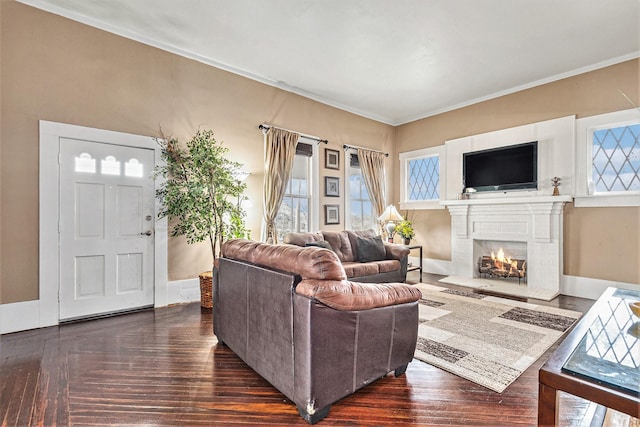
x=145 y=91
x=63 y=71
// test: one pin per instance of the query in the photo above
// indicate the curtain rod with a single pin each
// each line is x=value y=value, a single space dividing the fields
x=265 y=128
x=346 y=146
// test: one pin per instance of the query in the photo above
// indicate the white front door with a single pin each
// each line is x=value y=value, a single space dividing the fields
x=106 y=228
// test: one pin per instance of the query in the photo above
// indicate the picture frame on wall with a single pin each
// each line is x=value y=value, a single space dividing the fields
x=331 y=159
x=331 y=214
x=331 y=186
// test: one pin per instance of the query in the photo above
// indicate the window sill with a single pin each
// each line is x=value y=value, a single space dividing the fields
x=431 y=204
x=607 y=201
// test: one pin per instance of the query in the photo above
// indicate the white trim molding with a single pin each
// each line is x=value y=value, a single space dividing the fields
x=586 y=287
x=183 y=291
x=22 y=316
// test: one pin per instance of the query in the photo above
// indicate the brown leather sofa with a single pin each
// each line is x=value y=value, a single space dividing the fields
x=391 y=268
x=291 y=314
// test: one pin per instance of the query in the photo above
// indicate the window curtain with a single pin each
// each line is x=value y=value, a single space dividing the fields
x=280 y=151
x=372 y=167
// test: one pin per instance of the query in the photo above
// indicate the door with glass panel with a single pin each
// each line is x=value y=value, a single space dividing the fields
x=105 y=228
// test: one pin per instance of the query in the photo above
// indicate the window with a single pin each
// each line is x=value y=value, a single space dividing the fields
x=615 y=159
x=422 y=178
x=608 y=169
x=84 y=163
x=298 y=211
x=360 y=212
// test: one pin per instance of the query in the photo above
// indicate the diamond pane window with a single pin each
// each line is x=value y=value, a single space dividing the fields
x=616 y=159
x=424 y=178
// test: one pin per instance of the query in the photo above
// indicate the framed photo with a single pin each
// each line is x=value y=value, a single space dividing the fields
x=331 y=214
x=331 y=159
x=331 y=186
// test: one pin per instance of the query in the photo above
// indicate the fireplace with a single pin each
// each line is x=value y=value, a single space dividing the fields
x=501 y=260
x=527 y=228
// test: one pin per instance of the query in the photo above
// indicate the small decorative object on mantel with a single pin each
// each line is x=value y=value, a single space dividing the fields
x=555 y=181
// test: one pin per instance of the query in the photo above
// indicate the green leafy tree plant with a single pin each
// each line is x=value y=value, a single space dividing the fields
x=201 y=191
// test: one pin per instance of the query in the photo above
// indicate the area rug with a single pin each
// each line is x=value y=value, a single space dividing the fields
x=485 y=339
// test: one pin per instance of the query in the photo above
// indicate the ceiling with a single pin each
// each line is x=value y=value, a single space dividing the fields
x=394 y=61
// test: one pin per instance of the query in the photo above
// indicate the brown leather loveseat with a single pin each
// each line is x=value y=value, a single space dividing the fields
x=291 y=314
x=389 y=264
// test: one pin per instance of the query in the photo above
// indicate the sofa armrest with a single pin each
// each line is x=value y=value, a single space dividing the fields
x=308 y=263
x=346 y=295
x=395 y=251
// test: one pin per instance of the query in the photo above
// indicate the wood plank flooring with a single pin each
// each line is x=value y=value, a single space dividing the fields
x=163 y=367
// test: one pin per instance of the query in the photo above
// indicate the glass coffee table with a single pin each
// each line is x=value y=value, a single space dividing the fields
x=598 y=361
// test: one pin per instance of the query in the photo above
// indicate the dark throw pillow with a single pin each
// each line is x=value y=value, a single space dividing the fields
x=370 y=249
x=320 y=244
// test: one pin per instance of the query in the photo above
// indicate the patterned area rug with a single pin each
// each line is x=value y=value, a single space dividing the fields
x=485 y=339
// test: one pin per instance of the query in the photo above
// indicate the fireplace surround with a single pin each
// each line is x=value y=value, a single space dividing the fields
x=533 y=221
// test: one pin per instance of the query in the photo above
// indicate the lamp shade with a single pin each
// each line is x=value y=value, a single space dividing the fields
x=390 y=214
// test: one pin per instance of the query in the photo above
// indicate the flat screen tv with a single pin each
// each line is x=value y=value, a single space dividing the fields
x=514 y=167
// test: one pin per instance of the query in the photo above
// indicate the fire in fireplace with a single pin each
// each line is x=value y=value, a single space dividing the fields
x=502 y=266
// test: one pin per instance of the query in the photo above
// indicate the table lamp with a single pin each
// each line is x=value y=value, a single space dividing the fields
x=390 y=215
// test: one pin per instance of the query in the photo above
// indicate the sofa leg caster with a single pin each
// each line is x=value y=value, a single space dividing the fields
x=316 y=416
x=401 y=370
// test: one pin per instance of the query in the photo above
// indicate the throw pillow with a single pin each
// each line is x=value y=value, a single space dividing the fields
x=320 y=244
x=370 y=249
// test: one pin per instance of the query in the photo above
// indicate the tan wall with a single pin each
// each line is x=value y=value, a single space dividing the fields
x=59 y=70
x=601 y=243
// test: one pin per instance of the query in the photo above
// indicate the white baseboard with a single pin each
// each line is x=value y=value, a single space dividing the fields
x=586 y=287
x=22 y=316
x=182 y=291
x=437 y=266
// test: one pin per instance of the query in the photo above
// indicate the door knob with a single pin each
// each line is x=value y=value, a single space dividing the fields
x=146 y=233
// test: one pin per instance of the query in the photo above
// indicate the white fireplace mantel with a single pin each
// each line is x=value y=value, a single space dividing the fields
x=536 y=200
x=536 y=221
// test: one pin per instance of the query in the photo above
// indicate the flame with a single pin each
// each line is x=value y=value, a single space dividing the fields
x=501 y=262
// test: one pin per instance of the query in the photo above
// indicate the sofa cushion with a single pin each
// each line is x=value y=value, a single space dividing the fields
x=346 y=295
x=370 y=249
x=300 y=239
x=359 y=269
x=339 y=241
x=388 y=265
x=321 y=244
x=353 y=239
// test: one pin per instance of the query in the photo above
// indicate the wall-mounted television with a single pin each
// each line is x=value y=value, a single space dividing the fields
x=514 y=167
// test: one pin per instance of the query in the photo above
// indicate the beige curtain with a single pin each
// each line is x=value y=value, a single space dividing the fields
x=372 y=167
x=280 y=151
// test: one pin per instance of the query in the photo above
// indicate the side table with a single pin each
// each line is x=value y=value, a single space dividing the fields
x=416 y=267
x=598 y=361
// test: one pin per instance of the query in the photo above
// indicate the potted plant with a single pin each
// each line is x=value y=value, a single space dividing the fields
x=202 y=194
x=405 y=229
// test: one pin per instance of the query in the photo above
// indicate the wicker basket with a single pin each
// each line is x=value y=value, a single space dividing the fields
x=206 y=289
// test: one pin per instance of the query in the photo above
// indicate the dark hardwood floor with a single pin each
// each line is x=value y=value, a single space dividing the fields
x=163 y=367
